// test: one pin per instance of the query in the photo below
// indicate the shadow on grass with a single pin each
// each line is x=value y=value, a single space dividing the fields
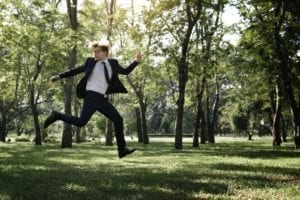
x=73 y=184
x=239 y=149
x=66 y=182
x=39 y=173
x=93 y=171
x=294 y=172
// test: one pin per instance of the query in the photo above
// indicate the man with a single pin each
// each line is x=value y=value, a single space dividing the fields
x=101 y=78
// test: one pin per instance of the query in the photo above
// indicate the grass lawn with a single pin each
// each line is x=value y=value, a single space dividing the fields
x=230 y=169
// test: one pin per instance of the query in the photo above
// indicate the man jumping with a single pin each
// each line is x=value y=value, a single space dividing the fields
x=101 y=78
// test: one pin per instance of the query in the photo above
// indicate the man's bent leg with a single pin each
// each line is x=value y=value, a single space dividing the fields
x=89 y=107
x=109 y=111
x=87 y=111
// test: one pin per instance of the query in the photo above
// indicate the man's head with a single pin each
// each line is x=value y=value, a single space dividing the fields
x=100 y=51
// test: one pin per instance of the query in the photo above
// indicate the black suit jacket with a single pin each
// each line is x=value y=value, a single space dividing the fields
x=115 y=85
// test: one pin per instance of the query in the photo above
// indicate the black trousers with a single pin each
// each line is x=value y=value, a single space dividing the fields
x=93 y=102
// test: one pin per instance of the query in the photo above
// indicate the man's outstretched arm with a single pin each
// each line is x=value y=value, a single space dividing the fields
x=69 y=73
x=128 y=69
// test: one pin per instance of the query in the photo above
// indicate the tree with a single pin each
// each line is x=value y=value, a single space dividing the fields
x=31 y=32
x=68 y=87
x=209 y=40
x=282 y=12
x=272 y=54
x=141 y=80
x=182 y=66
x=178 y=19
x=110 y=10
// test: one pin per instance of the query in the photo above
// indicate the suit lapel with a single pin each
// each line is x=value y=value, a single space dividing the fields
x=91 y=66
x=113 y=68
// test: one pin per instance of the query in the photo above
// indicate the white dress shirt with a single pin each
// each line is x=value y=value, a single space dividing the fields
x=97 y=81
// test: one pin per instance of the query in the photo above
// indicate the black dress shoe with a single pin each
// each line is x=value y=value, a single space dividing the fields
x=50 y=119
x=124 y=152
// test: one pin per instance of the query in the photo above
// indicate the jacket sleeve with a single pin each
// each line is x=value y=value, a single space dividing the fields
x=128 y=69
x=74 y=71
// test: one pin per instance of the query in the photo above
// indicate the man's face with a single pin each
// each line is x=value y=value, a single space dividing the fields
x=98 y=53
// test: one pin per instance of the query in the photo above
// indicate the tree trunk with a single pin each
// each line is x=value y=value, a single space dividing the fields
x=276 y=118
x=68 y=87
x=279 y=13
x=33 y=97
x=2 y=126
x=214 y=121
x=283 y=129
x=109 y=133
x=182 y=67
x=67 y=130
x=270 y=125
x=138 y=124
x=272 y=109
x=110 y=9
x=203 y=128
x=297 y=141
x=34 y=111
x=77 y=129
x=196 y=127
x=2 y=122
x=208 y=127
x=182 y=79
x=19 y=128
x=5 y=108
x=250 y=134
x=200 y=90
x=2 y=130
x=143 y=108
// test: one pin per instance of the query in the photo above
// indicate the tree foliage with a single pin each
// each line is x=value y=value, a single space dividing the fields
x=191 y=80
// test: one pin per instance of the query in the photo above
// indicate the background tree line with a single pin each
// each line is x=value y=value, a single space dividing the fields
x=191 y=81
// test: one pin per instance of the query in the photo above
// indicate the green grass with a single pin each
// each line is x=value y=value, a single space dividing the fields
x=230 y=169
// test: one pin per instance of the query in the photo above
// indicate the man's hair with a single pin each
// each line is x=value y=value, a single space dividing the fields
x=104 y=48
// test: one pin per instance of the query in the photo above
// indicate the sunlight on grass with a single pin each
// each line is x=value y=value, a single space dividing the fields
x=232 y=169
x=75 y=187
x=4 y=155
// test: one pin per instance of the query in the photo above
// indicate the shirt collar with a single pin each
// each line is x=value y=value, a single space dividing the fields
x=104 y=60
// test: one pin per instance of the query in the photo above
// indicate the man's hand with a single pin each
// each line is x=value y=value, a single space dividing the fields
x=138 y=57
x=54 y=78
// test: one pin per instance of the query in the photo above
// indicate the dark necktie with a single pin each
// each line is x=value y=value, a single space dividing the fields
x=106 y=73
